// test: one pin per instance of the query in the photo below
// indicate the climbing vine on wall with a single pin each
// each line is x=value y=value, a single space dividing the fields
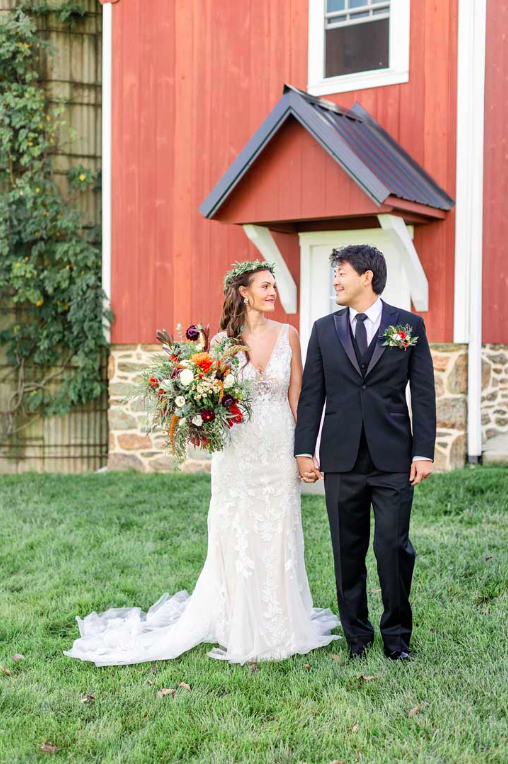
x=50 y=262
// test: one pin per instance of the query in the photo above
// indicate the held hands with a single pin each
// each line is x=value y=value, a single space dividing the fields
x=309 y=469
x=420 y=470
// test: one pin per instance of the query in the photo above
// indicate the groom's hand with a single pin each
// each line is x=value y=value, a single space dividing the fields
x=308 y=469
x=420 y=470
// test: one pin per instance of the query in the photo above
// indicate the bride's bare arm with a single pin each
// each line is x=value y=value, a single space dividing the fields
x=295 y=383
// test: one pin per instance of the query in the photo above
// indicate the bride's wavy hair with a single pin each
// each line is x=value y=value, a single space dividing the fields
x=234 y=309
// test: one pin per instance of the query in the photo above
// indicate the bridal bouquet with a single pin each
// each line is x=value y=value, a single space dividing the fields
x=193 y=392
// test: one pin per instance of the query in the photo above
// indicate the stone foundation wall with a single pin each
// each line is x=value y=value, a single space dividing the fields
x=131 y=448
x=495 y=395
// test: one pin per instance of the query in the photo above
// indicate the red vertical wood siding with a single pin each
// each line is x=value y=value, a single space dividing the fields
x=495 y=186
x=192 y=80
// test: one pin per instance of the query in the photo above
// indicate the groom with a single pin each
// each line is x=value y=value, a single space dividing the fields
x=369 y=452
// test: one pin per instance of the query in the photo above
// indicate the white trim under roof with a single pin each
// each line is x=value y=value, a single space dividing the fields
x=398 y=232
x=107 y=76
x=469 y=211
x=397 y=72
x=262 y=238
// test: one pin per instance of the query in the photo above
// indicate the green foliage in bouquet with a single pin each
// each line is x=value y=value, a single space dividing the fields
x=195 y=393
x=50 y=263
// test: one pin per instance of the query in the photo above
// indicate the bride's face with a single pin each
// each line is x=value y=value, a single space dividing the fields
x=261 y=293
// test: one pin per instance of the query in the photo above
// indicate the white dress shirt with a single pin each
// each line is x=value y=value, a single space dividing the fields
x=372 y=324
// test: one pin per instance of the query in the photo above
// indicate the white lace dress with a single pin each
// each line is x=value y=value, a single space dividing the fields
x=252 y=597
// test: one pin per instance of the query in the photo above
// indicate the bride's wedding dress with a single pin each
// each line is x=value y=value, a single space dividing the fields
x=252 y=597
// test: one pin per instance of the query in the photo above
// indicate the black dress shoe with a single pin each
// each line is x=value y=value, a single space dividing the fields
x=399 y=655
x=358 y=653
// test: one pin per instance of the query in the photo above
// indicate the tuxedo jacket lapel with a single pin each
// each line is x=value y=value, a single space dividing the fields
x=341 y=324
x=389 y=317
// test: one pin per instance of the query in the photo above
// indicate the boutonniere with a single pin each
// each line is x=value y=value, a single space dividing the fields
x=399 y=337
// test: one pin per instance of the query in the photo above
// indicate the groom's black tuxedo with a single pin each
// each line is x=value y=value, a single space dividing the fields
x=373 y=397
x=367 y=445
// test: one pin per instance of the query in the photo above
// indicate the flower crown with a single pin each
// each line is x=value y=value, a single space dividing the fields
x=247 y=266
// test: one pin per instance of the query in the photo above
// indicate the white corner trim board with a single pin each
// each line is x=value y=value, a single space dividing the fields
x=262 y=238
x=469 y=205
x=397 y=230
x=107 y=76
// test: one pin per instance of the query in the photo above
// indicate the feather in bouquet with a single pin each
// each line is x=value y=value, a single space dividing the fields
x=193 y=392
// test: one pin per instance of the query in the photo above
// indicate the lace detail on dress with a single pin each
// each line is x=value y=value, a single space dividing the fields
x=252 y=597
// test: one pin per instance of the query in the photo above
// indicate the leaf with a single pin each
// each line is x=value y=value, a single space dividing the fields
x=151 y=683
x=88 y=698
x=17 y=657
x=153 y=668
x=306 y=666
x=253 y=666
x=5 y=671
x=48 y=747
x=166 y=691
x=414 y=711
x=335 y=656
x=372 y=676
x=355 y=728
x=184 y=685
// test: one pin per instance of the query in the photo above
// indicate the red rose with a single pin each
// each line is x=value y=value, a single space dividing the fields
x=402 y=335
x=154 y=382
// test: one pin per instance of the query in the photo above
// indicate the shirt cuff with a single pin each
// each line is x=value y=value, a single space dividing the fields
x=422 y=459
x=309 y=455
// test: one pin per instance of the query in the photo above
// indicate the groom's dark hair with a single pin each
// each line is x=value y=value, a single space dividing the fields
x=363 y=257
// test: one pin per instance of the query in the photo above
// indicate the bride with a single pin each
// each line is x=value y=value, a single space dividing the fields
x=252 y=597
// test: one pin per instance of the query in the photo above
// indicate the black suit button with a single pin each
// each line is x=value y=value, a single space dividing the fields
x=364 y=387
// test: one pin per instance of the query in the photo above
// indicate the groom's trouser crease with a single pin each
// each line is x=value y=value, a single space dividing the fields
x=349 y=496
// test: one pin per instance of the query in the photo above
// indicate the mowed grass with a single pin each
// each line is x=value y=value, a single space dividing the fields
x=73 y=544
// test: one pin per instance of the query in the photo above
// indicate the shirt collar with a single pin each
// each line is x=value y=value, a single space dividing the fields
x=372 y=313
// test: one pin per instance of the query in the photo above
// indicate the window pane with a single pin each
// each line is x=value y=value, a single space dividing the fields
x=357 y=48
x=357 y=3
x=335 y=5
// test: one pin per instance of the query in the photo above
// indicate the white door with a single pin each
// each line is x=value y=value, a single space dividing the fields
x=317 y=297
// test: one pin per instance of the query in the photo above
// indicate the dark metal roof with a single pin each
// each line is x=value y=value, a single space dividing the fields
x=365 y=151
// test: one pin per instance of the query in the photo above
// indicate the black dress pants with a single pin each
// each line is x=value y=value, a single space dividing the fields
x=349 y=496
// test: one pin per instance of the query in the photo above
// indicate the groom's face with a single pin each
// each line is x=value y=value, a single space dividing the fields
x=348 y=284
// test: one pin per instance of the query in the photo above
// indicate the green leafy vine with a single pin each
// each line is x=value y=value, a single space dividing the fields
x=50 y=261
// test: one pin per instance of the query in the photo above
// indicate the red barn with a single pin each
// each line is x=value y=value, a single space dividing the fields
x=238 y=130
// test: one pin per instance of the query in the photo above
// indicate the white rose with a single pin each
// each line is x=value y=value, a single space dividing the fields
x=186 y=377
x=229 y=381
x=181 y=422
x=197 y=420
x=185 y=363
x=180 y=401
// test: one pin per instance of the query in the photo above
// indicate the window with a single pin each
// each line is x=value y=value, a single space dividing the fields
x=355 y=44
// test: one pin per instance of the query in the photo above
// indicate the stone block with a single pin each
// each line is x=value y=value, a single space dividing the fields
x=439 y=384
x=440 y=460
x=161 y=464
x=122 y=462
x=458 y=452
x=193 y=465
x=501 y=358
x=451 y=413
x=131 y=441
x=457 y=378
x=112 y=442
x=128 y=366
x=486 y=374
x=120 y=389
x=111 y=367
x=440 y=362
x=119 y=419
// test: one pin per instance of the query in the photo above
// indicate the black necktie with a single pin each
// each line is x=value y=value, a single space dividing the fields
x=361 y=332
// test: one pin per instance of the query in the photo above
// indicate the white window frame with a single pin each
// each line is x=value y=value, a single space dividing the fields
x=397 y=72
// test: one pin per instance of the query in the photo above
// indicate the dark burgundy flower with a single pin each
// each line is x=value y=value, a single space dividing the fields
x=228 y=401
x=207 y=415
x=192 y=333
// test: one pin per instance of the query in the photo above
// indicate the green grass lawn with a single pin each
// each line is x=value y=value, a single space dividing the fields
x=73 y=544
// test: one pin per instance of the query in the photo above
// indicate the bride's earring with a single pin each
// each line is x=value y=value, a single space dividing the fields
x=246 y=300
